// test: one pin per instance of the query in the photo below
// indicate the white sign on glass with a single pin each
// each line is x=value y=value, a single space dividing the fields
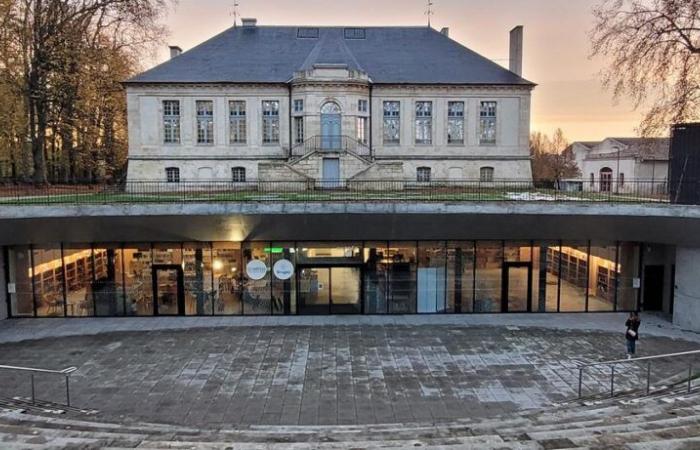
x=283 y=269
x=11 y=288
x=256 y=269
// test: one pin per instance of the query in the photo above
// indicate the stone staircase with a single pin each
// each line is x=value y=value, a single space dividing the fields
x=664 y=420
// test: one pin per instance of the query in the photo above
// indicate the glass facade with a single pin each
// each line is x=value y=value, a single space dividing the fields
x=289 y=278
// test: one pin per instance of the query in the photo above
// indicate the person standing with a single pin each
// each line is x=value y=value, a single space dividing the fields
x=632 y=334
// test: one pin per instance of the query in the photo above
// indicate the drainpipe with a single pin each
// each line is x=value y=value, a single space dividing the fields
x=289 y=88
x=371 y=148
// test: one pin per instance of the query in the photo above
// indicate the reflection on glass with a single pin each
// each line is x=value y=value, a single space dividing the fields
x=518 y=261
x=138 y=278
x=283 y=291
x=20 y=265
x=629 y=270
x=167 y=291
x=460 y=276
x=601 y=279
x=78 y=261
x=574 y=277
x=345 y=290
x=431 y=277
x=108 y=289
x=375 y=282
x=197 y=279
x=48 y=281
x=401 y=276
x=167 y=254
x=256 y=293
x=228 y=278
x=327 y=252
x=545 y=274
x=489 y=265
x=314 y=290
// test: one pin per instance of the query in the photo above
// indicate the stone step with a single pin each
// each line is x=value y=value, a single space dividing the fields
x=619 y=439
x=667 y=444
x=57 y=442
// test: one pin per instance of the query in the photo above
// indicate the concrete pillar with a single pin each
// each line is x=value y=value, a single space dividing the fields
x=3 y=286
x=686 y=310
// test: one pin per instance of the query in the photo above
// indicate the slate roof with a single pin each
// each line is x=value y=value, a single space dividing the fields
x=643 y=148
x=272 y=54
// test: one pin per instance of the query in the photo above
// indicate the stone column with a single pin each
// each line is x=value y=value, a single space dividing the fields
x=686 y=309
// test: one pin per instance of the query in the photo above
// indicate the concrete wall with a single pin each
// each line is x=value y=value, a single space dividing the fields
x=686 y=310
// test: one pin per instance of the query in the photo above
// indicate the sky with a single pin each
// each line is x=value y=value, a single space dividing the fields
x=556 y=48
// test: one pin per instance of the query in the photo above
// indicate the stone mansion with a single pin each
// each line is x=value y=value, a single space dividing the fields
x=267 y=103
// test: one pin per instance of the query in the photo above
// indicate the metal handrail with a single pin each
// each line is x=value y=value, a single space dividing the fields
x=33 y=370
x=649 y=359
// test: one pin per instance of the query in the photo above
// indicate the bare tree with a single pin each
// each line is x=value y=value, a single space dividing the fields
x=653 y=52
x=552 y=159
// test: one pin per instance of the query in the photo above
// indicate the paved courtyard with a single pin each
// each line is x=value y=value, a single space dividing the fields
x=330 y=373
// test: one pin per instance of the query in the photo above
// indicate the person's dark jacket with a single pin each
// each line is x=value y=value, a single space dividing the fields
x=634 y=326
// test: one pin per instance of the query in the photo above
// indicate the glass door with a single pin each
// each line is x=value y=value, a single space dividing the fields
x=168 y=291
x=345 y=290
x=517 y=287
x=314 y=290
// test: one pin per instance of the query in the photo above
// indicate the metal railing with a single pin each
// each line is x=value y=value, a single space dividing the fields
x=300 y=189
x=648 y=359
x=331 y=144
x=65 y=372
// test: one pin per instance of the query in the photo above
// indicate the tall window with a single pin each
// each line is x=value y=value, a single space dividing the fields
x=487 y=123
x=392 y=122
x=455 y=122
x=205 y=121
x=172 y=175
x=171 y=121
x=237 y=122
x=271 y=121
x=362 y=129
x=299 y=129
x=486 y=174
x=423 y=174
x=424 y=122
x=238 y=174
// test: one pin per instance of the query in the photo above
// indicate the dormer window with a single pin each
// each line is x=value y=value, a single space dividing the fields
x=307 y=33
x=355 y=33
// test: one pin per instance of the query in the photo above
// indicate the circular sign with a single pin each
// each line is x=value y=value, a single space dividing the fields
x=256 y=269
x=283 y=269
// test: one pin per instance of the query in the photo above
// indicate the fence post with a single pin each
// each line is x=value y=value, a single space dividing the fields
x=648 y=376
x=32 y=381
x=580 y=380
x=68 y=390
x=612 y=381
x=690 y=375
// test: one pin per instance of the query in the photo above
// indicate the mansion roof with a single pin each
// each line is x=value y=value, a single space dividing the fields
x=641 y=148
x=388 y=55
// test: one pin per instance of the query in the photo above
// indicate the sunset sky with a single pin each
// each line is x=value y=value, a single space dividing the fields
x=557 y=47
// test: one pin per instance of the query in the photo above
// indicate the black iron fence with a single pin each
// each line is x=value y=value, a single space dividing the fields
x=606 y=190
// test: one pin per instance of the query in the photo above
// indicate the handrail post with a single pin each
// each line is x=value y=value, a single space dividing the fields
x=648 y=376
x=690 y=375
x=68 y=390
x=580 y=380
x=33 y=396
x=612 y=380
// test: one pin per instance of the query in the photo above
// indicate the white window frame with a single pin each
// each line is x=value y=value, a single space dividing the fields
x=488 y=120
x=237 y=123
x=299 y=131
x=236 y=174
x=298 y=105
x=454 y=119
x=172 y=174
x=362 y=129
x=170 y=120
x=363 y=105
x=424 y=174
x=204 y=124
x=270 y=122
x=393 y=117
x=423 y=120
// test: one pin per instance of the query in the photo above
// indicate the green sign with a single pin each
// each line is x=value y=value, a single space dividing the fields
x=274 y=250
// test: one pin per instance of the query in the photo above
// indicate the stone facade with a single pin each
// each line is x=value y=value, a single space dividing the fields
x=149 y=156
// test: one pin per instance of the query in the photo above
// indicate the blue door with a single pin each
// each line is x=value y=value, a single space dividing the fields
x=331 y=172
x=330 y=132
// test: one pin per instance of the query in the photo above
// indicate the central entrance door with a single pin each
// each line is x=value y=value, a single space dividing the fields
x=517 y=287
x=329 y=290
x=330 y=127
x=168 y=290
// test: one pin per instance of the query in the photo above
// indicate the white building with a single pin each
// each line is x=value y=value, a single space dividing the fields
x=622 y=165
x=287 y=103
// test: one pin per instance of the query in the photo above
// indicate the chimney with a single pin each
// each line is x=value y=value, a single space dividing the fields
x=175 y=51
x=445 y=32
x=516 y=50
x=249 y=23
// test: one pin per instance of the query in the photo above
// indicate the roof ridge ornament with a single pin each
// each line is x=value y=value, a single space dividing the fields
x=429 y=11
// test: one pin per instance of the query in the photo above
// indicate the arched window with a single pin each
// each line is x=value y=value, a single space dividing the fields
x=238 y=174
x=172 y=174
x=423 y=174
x=606 y=179
x=330 y=108
x=486 y=174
